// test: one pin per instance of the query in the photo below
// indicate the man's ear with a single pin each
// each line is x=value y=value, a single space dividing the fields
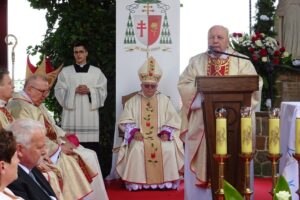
x=2 y=167
x=19 y=149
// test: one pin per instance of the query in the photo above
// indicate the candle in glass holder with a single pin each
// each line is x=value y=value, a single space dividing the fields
x=274 y=147
x=274 y=132
x=246 y=135
x=221 y=132
x=221 y=136
x=297 y=135
x=246 y=130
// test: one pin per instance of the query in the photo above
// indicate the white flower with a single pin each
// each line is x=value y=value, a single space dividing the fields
x=271 y=42
x=264 y=59
x=264 y=18
x=240 y=39
x=269 y=103
x=286 y=54
x=283 y=195
x=258 y=43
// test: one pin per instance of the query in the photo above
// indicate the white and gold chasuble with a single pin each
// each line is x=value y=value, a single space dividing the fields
x=150 y=161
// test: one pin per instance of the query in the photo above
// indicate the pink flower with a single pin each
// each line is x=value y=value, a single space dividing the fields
x=237 y=34
x=276 y=60
x=253 y=38
x=282 y=49
x=263 y=52
x=276 y=53
x=254 y=58
x=258 y=35
x=251 y=49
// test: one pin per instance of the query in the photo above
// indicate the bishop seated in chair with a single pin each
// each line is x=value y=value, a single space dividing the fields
x=151 y=155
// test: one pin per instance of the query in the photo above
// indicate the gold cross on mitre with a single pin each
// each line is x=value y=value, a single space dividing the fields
x=44 y=68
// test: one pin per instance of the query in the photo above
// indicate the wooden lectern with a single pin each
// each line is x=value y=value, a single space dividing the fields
x=231 y=93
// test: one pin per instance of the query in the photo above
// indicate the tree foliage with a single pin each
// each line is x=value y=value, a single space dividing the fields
x=92 y=21
x=265 y=17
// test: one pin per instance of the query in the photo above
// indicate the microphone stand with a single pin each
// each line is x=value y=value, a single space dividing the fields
x=210 y=51
x=270 y=68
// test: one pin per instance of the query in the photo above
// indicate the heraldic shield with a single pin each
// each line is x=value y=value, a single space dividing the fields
x=147 y=24
x=147 y=28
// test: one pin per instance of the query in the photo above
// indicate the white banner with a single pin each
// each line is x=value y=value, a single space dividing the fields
x=146 y=28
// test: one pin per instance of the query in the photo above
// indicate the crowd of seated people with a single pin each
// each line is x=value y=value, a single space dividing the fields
x=72 y=170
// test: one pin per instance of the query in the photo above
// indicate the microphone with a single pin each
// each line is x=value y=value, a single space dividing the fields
x=211 y=51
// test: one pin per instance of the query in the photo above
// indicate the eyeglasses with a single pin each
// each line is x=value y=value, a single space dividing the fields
x=44 y=92
x=148 y=86
x=218 y=37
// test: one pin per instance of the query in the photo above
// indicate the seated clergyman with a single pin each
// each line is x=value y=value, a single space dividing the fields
x=151 y=155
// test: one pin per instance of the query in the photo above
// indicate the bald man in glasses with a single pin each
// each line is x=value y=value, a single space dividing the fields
x=151 y=155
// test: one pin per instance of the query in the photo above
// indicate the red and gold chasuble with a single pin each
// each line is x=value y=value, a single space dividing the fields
x=50 y=132
x=152 y=143
x=7 y=114
x=218 y=66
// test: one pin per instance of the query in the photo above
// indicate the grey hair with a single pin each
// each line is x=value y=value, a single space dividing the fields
x=24 y=129
x=29 y=81
x=220 y=26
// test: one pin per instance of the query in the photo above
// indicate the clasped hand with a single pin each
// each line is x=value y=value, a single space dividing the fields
x=139 y=137
x=82 y=89
x=68 y=147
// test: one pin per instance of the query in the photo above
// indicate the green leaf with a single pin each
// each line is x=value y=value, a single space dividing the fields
x=282 y=185
x=231 y=193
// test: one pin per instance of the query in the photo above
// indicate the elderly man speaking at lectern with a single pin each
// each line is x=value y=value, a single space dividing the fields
x=210 y=63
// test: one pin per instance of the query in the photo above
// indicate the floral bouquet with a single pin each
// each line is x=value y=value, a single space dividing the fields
x=266 y=56
x=261 y=49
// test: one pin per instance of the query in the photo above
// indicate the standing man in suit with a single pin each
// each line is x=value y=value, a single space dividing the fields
x=31 y=149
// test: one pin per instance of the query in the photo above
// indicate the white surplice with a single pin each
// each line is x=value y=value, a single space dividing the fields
x=80 y=112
